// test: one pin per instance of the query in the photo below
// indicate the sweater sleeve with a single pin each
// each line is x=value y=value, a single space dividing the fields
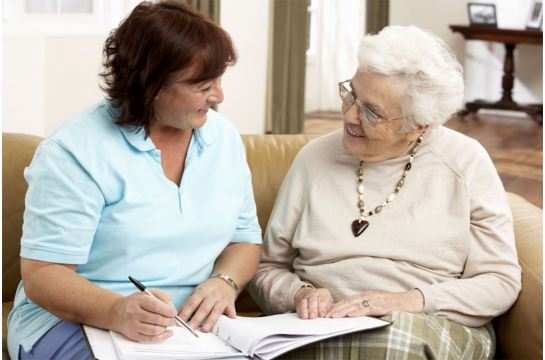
x=275 y=283
x=491 y=280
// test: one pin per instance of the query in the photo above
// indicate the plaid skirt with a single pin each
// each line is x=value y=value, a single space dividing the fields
x=411 y=336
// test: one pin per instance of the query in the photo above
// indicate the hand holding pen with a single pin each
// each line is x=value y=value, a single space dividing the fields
x=144 y=318
x=142 y=288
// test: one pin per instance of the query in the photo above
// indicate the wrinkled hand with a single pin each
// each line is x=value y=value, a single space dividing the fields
x=211 y=298
x=380 y=304
x=311 y=303
x=141 y=317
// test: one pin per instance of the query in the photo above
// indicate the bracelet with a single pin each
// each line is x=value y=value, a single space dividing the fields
x=228 y=279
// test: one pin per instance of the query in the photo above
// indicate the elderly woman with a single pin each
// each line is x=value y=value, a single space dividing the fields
x=394 y=216
x=149 y=182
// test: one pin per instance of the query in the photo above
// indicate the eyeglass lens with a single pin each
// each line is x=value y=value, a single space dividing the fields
x=347 y=96
x=349 y=99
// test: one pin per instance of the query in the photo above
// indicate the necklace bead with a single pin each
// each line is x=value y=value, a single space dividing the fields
x=360 y=189
x=359 y=226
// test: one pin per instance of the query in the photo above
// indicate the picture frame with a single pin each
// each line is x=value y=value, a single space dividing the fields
x=535 y=18
x=482 y=14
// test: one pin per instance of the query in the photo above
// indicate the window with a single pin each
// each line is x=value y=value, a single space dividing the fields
x=58 y=7
x=62 y=17
x=51 y=10
x=313 y=28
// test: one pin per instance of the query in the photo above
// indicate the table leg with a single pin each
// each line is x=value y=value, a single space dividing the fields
x=535 y=111
x=508 y=69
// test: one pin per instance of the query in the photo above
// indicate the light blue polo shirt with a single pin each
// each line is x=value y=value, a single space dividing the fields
x=98 y=198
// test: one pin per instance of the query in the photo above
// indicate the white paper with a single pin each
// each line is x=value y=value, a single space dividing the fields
x=182 y=345
x=276 y=333
x=240 y=338
x=101 y=343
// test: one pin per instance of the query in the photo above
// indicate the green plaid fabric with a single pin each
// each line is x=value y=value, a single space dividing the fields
x=411 y=336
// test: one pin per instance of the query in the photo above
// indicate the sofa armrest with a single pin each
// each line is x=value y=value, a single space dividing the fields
x=520 y=330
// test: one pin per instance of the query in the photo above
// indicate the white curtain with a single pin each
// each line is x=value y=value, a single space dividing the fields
x=341 y=31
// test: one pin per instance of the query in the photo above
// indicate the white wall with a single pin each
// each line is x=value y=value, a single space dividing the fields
x=50 y=72
x=482 y=61
x=23 y=85
x=245 y=84
x=47 y=79
x=50 y=69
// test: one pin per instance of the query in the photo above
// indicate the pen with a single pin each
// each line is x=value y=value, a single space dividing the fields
x=142 y=288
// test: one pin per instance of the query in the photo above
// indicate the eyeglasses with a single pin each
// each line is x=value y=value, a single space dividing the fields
x=349 y=98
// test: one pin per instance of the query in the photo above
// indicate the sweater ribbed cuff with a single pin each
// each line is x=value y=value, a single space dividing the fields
x=430 y=298
x=289 y=295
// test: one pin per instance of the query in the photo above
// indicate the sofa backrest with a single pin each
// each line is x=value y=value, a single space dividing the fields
x=269 y=158
x=17 y=152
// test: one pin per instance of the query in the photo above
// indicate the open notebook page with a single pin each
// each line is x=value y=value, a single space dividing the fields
x=182 y=345
x=248 y=334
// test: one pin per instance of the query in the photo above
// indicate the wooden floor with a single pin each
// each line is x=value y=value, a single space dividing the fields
x=515 y=145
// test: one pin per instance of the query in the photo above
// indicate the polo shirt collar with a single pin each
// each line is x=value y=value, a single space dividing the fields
x=133 y=134
x=136 y=138
x=208 y=133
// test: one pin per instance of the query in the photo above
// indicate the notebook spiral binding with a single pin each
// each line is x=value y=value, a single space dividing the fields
x=218 y=335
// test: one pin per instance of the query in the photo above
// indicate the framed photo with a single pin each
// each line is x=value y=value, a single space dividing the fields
x=482 y=14
x=536 y=16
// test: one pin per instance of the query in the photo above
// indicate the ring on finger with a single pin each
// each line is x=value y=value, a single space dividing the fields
x=365 y=303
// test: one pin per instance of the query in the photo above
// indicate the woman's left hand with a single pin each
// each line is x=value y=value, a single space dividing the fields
x=211 y=298
x=377 y=303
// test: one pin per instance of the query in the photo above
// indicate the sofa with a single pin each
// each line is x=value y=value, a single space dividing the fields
x=519 y=331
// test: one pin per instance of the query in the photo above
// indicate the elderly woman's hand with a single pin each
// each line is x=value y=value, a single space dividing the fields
x=211 y=299
x=376 y=303
x=311 y=303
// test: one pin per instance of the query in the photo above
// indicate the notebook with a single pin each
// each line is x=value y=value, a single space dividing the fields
x=240 y=338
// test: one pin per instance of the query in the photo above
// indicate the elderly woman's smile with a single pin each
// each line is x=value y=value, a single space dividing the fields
x=352 y=132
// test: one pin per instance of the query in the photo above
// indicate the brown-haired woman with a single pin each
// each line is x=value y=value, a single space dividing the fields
x=150 y=182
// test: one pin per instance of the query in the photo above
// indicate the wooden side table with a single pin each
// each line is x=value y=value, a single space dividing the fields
x=510 y=38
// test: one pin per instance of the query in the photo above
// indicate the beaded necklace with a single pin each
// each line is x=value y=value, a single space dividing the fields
x=359 y=225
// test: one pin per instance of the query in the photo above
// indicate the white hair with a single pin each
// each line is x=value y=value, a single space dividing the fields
x=425 y=64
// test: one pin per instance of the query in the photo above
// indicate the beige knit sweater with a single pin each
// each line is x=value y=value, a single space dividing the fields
x=449 y=231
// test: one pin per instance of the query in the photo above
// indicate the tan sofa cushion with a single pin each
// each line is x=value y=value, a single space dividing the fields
x=520 y=330
x=270 y=158
x=17 y=152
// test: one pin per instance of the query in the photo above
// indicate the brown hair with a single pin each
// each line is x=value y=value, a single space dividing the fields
x=154 y=41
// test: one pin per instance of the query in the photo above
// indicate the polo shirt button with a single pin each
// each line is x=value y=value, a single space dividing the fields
x=152 y=152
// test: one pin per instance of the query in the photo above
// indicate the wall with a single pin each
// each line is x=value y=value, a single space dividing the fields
x=50 y=69
x=482 y=61
x=47 y=79
x=51 y=72
x=23 y=85
x=245 y=84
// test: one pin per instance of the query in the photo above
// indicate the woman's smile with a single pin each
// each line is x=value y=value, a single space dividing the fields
x=352 y=133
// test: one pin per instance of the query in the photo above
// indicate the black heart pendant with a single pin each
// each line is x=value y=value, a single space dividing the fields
x=359 y=226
